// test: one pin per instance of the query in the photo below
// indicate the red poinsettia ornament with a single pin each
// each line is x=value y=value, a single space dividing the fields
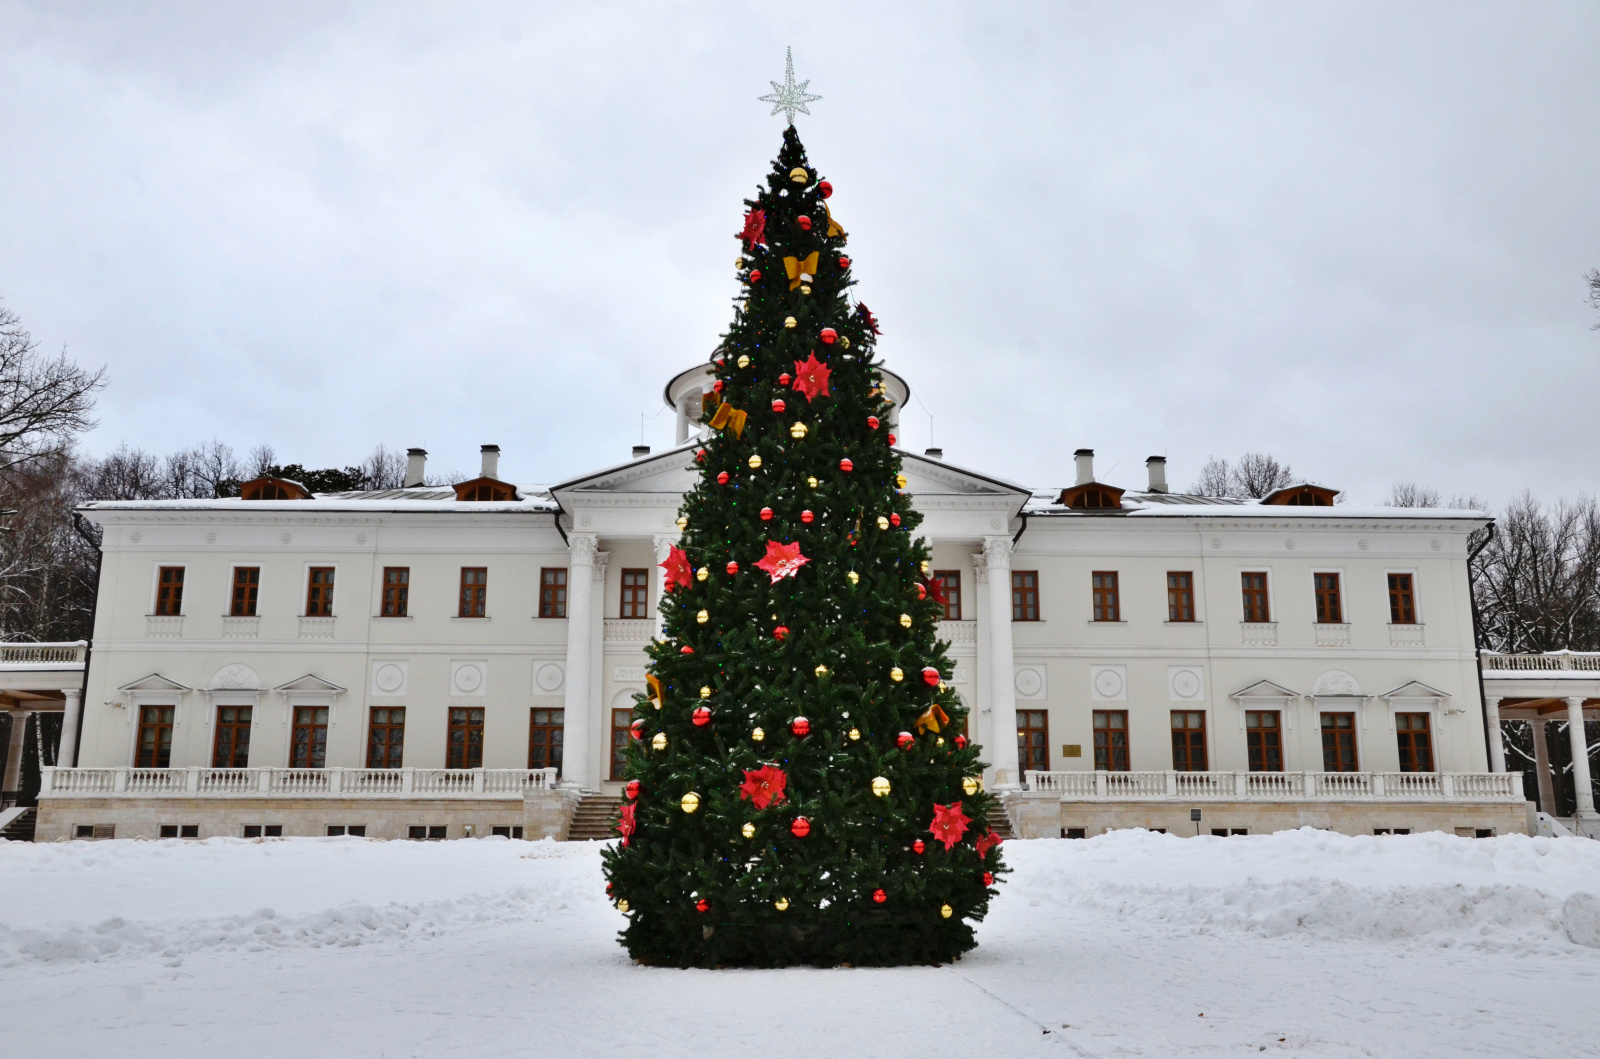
x=764 y=787
x=949 y=823
x=811 y=377
x=782 y=560
x=755 y=228
x=679 y=575
x=626 y=824
x=985 y=842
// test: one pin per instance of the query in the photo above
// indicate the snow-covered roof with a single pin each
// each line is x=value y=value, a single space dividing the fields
x=535 y=498
x=1186 y=505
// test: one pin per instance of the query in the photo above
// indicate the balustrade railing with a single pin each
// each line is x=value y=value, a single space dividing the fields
x=43 y=652
x=293 y=783
x=1552 y=661
x=1279 y=786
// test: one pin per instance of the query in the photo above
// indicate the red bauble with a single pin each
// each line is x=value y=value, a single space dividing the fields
x=829 y=335
x=922 y=591
x=755 y=275
x=624 y=840
x=733 y=568
x=930 y=676
x=718 y=385
x=785 y=379
x=844 y=262
x=846 y=466
x=807 y=517
x=780 y=632
x=702 y=716
x=961 y=742
x=988 y=878
x=608 y=888
x=702 y=905
x=872 y=421
x=766 y=514
x=721 y=361
x=722 y=477
x=906 y=740
x=879 y=896
x=637 y=728
x=686 y=650
x=800 y=727
x=632 y=788
x=891 y=439
x=778 y=405
x=804 y=222
x=700 y=456
x=824 y=188
x=800 y=828
x=917 y=847
x=894 y=518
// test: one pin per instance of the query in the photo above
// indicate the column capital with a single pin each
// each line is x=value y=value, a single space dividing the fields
x=663 y=543
x=997 y=553
x=980 y=569
x=1575 y=702
x=581 y=548
x=600 y=561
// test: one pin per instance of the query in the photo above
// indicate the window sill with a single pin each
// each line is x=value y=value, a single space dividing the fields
x=391 y=617
x=1170 y=622
x=1119 y=622
x=482 y=617
x=541 y=617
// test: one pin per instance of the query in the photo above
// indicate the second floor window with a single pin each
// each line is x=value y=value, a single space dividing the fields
x=246 y=587
x=635 y=593
x=319 y=593
x=950 y=581
x=1255 y=597
x=1180 y=596
x=169 y=591
x=1106 y=606
x=1402 y=602
x=474 y=591
x=1330 y=609
x=1024 y=595
x=396 y=592
x=553 y=592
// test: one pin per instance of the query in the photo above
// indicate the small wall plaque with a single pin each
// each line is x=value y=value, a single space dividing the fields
x=1071 y=750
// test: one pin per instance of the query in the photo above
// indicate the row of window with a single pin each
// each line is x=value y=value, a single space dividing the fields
x=1106 y=597
x=1263 y=741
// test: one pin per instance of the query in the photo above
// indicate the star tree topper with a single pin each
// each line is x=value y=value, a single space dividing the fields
x=789 y=96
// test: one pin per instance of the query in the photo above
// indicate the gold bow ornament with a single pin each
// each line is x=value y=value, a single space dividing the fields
x=729 y=418
x=931 y=719
x=801 y=270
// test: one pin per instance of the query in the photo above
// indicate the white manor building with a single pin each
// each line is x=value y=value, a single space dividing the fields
x=455 y=661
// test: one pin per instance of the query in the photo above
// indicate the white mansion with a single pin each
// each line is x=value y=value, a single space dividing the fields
x=442 y=662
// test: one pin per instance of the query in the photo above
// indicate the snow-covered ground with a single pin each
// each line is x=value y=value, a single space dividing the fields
x=1131 y=944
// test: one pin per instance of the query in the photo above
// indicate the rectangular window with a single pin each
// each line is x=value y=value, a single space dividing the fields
x=463 y=747
x=354 y=830
x=386 y=737
x=635 y=593
x=553 y=592
x=1255 y=597
x=1402 y=602
x=1188 y=740
x=1033 y=740
x=1024 y=595
x=1339 y=742
x=620 y=734
x=308 y=743
x=396 y=591
x=950 y=581
x=474 y=591
x=1416 y=748
x=169 y=591
x=319 y=592
x=1107 y=607
x=1111 y=740
x=246 y=587
x=1263 y=735
x=1180 y=596
x=155 y=737
x=545 y=733
x=1330 y=608
x=232 y=747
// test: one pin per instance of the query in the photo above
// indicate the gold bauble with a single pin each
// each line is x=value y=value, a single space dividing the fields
x=852 y=577
x=622 y=905
x=805 y=288
x=844 y=343
x=905 y=621
x=660 y=741
x=744 y=306
x=703 y=617
x=689 y=802
x=754 y=461
x=781 y=904
x=812 y=482
x=900 y=480
x=683 y=522
x=946 y=911
x=939 y=741
x=969 y=785
x=880 y=786
x=943 y=686
x=748 y=830
x=797 y=431
x=758 y=735
x=789 y=321
x=743 y=361
x=822 y=671
x=896 y=674
x=927 y=567
x=883 y=522
x=738 y=262
x=855 y=734
x=799 y=175
x=705 y=693
x=701 y=574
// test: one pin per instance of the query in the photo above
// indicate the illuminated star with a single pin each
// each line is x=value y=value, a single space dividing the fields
x=789 y=96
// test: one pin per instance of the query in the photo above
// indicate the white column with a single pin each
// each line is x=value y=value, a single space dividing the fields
x=1581 y=782
x=13 y=773
x=598 y=725
x=663 y=543
x=1002 y=672
x=580 y=651
x=1497 y=743
x=67 y=753
x=683 y=420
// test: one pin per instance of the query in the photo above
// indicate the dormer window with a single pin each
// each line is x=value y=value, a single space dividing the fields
x=485 y=489
x=1091 y=496
x=273 y=489
x=1302 y=495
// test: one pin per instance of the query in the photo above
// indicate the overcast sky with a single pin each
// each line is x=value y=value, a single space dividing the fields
x=1350 y=235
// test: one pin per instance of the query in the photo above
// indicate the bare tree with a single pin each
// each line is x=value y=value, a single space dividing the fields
x=126 y=474
x=1254 y=476
x=45 y=402
x=1537 y=582
x=1214 y=479
x=1410 y=494
x=261 y=459
x=1593 y=277
x=384 y=469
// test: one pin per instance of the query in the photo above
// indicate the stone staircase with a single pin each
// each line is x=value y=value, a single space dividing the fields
x=1000 y=820
x=16 y=824
x=593 y=818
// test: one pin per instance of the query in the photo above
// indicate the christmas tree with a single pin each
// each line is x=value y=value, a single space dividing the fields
x=801 y=789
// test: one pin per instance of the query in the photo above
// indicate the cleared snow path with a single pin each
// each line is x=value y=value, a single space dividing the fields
x=1131 y=944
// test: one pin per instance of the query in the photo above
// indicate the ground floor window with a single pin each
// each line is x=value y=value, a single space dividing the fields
x=620 y=734
x=1339 y=742
x=386 y=737
x=308 y=744
x=155 y=737
x=354 y=830
x=1189 y=740
x=231 y=749
x=1264 y=740
x=545 y=733
x=1111 y=740
x=1033 y=740
x=1416 y=748
x=463 y=748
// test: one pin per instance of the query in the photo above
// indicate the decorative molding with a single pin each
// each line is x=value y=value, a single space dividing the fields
x=997 y=553
x=470 y=678
x=1186 y=683
x=235 y=677
x=390 y=677
x=601 y=560
x=548 y=678
x=582 y=548
x=316 y=628
x=1335 y=682
x=628 y=674
x=1108 y=683
x=238 y=627
x=980 y=568
x=163 y=627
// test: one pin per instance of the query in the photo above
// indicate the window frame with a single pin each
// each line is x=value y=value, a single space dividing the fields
x=385 y=760
x=471 y=755
x=621 y=735
x=400 y=604
x=312 y=569
x=1411 y=592
x=161 y=601
x=1408 y=754
x=1105 y=596
x=952 y=603
x=1181 y=591
x=168 y=723
x=639 y=590
x=1265 y=594
x=311 y=726
x=1355 y=741
x=1255 y=757
x=254 y=610
x=470 y=595
x=219 y=726
x=1319 y=596
x=1188 y=747
x=1025 y=741
x=555 y=749
x=1024 y=590
x=1105 y=757
x=549 y=588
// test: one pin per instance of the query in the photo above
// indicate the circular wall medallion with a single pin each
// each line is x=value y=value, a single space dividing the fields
x=584 y=520
x=469 y=679
x=1028 y=682
x=1362 y=544
x=389 y=677
x=361 y=538
x=995 y=522
x=548 y=677
x=136 y=536
x=211 y=537
x=286 y=538
x=1435 y=545
x=1185 y=684
x=1288 y=543
x=1108 y=682
x=1216 y=542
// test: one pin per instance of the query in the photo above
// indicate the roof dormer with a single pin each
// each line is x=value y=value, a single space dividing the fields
x=486 y=489
x=1301 y=494
x=273 y=489
x=1088 y=494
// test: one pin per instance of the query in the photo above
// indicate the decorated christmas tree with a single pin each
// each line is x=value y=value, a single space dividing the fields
x=801 y=789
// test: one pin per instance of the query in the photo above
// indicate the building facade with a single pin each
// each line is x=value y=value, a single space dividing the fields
x=466 y=659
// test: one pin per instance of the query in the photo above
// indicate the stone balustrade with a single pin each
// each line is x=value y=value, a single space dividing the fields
x=195 y=782
x=1549 y=662
x=1279 y=786
x=36 y=653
